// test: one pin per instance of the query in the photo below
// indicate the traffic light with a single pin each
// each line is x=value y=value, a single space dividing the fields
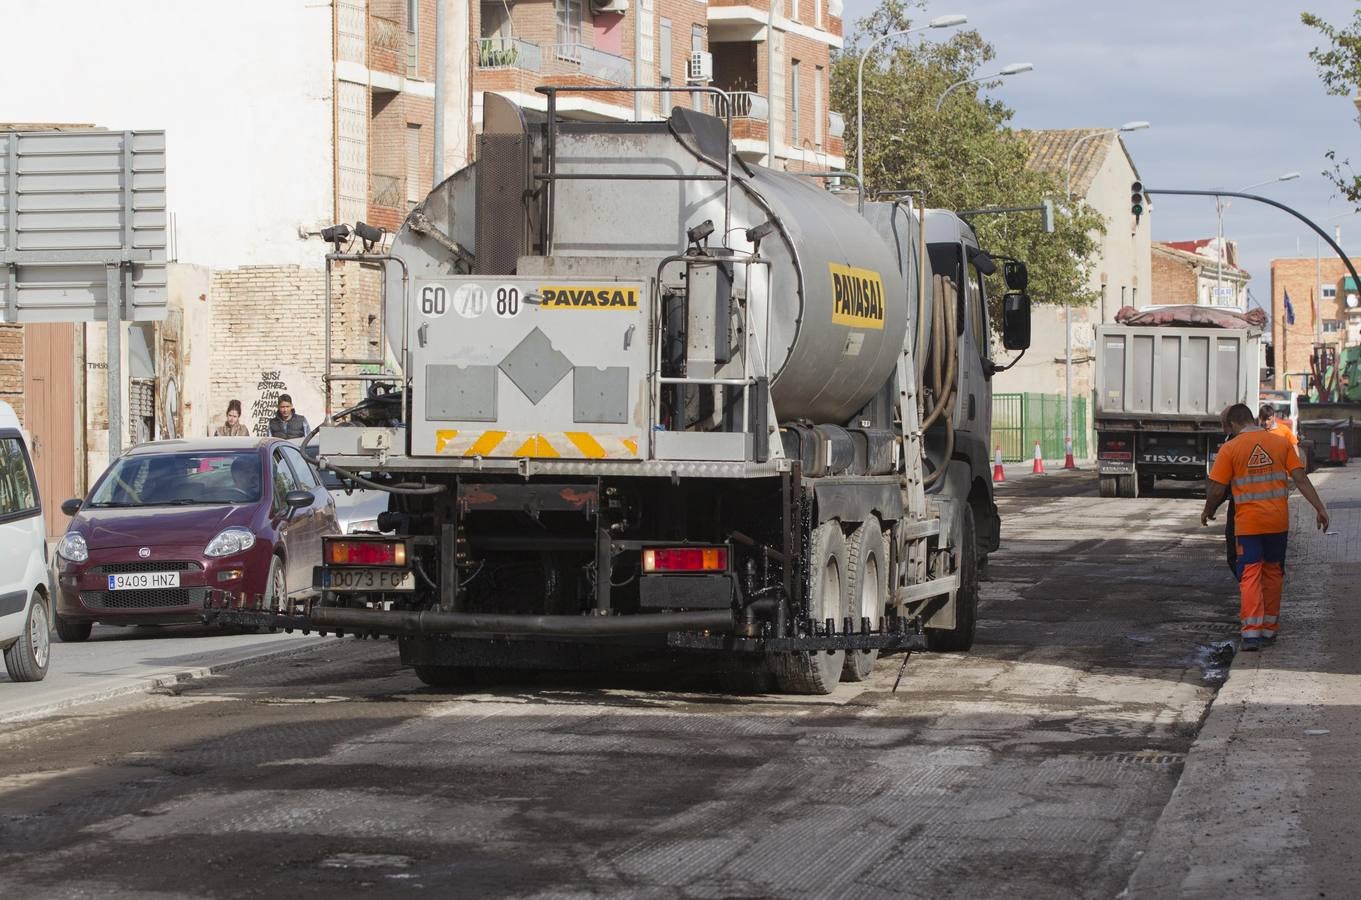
x=1136 y=200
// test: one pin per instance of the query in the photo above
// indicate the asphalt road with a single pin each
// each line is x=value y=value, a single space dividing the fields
x=1035 y=766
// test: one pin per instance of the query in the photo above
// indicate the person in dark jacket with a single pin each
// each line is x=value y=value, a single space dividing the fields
x=287 y=423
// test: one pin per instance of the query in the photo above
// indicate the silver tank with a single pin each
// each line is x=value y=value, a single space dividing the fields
x=843 y=281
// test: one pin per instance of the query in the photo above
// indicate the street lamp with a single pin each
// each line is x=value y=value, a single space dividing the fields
x=1220 y=206
x=1013 y=69
x=937 y=22
x=1068 y=163
x=1139 y=125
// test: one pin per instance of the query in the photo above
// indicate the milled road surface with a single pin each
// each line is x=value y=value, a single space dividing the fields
x=1035 y=766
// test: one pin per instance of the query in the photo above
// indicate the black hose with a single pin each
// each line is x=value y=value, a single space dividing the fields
x=436 y=622
x=424 y=490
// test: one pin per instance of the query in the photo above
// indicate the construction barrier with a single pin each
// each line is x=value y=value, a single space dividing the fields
x=1038 y=467
x=1019 y=420
x=999 y=474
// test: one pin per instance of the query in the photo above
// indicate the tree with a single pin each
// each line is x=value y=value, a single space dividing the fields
x=964 y=157
x=1339 y=66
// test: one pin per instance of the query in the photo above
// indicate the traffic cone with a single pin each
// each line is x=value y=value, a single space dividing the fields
x=1342 y=447
x=998 y=473
x=1068 y=454
x=1038 y=468
x=1332 y=446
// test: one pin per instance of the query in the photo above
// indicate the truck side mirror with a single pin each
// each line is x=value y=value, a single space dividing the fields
x=1016 y=321
x=1016 y=275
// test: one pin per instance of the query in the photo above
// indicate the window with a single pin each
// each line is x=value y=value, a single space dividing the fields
x=697 y=46
x=413 y=36
x=1328 y=291
x=306 y=475
x=17 y=497
x=1332 y=326
x=817 y=13
x=664 y=65
x=180 y=479
x=569 y=23
x=978 y=309
x=794 y=10
x=495 y=21
x=794 y=102
x=818 y=75
x=414 y=192
x=284 y=481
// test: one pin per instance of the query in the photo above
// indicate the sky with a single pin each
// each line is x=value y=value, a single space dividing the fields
x=1230 y=91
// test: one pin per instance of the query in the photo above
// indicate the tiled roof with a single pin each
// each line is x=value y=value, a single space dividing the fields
x=1187 y=252
x=1049 y=151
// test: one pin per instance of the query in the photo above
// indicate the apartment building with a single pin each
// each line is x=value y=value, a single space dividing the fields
x=616 y=43
x=1198 y=273
x=1325 y=308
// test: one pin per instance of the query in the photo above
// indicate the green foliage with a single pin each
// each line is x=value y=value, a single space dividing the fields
x=1339 y=66
x=964 y=157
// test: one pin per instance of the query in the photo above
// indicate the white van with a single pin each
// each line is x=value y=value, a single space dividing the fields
x=25 y=592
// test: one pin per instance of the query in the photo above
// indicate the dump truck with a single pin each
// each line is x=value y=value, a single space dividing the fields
x=1160 y=390
x=656 y=405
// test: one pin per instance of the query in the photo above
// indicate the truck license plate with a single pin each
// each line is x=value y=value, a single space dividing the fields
x=368 y=580
x=141 y=581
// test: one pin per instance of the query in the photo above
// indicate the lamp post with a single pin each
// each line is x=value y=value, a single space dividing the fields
x=1013 y=69
x=938 y=22
x=1139 y=125
x=1219 y=229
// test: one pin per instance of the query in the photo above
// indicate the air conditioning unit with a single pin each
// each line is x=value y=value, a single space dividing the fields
x=701 y=67
x=609 y=6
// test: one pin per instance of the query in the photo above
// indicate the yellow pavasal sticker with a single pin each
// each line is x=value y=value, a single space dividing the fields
x=857 y=297
x=589 y=296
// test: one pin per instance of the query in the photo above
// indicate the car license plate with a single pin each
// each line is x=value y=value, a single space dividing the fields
x=141 y=581
x=368 y=580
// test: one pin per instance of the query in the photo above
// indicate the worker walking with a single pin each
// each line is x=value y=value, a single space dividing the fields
x=1270 y=421
x=1258 y=466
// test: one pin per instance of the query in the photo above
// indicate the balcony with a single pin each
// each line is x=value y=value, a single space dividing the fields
x=387 y=190
x=553 y=60
x=387 y=45
x=743 y=104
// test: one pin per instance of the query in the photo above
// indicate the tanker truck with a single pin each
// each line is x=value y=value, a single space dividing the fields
x=659 y=406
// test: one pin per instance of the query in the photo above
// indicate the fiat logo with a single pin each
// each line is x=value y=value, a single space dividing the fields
x=144 y=552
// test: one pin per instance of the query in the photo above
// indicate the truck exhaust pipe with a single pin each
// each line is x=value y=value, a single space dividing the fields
x=437 y=622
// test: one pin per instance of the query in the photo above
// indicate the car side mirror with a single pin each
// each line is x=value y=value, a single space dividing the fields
x=1016 y=321
x=72 y=506
x=1016 y=275
x=295 y=500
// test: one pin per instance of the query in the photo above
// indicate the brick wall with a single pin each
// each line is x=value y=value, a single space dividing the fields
x=391 y=115
x=1302 y=278
x=1174 y=279
x=12 y=367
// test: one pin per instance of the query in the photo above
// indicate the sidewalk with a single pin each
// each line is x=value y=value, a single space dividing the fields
x=1267 y=804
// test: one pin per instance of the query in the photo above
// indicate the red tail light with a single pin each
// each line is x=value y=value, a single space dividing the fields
x=365 y=553
x=686 y=559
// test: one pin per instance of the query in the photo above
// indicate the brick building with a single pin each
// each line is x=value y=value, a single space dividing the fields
x=1188 y=272
x=1326 y=307
x=605 y=43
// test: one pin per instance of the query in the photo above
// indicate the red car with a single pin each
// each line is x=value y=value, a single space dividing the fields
x=172 y=521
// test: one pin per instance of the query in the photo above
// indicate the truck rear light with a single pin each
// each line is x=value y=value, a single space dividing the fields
x=365 y=553
x=686 y=559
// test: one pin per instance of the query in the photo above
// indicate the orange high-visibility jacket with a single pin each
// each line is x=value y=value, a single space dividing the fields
x=1256 y=465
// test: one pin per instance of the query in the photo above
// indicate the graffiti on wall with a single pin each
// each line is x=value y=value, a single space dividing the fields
x=266 y=404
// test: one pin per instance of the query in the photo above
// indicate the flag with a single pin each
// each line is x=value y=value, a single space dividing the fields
x=1289 y=310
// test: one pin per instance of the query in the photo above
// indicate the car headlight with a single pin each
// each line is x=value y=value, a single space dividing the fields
x=362 y=525
x=230 y=541
x=72 y=547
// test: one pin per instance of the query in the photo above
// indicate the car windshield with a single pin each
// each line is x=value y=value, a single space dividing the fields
x=181 y=479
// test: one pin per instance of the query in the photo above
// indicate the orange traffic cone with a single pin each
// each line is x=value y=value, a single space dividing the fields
x=1332 y=446
x=998 y=473
x=1038 y=468
x=1342 y=447
x=1068 y=454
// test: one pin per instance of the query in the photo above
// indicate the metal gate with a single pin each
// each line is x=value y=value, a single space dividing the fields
x=1019 y=420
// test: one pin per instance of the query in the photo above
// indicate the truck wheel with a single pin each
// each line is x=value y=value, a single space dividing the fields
x=1109 y=485
x=960 y=638
x=73 y=632
x=1129 y=486
x=445 y=676
x=818 y=671
x=26 y=659
x=866 y=591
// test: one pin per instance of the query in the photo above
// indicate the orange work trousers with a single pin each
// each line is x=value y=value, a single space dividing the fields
x=1261 y=575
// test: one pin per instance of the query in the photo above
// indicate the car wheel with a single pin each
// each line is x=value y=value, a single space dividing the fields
x=73 y=632
x=276 y=586
x=27 y=658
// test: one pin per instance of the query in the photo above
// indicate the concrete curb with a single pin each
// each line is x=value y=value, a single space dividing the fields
x=147 y=684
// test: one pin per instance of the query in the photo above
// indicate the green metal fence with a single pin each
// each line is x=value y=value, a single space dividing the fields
x=1019 y=420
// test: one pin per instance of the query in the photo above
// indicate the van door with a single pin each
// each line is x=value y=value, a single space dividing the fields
x=23 y=533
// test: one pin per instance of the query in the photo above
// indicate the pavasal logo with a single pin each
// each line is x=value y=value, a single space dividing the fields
x=857 y=297
x=605 y=296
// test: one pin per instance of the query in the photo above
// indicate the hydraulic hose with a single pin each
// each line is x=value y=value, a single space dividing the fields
x=436 y=622
x=948 y=343
x=423 y=490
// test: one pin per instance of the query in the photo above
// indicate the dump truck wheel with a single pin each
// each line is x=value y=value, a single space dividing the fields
x=866 y=591
x=960 y=638
x=1109 y=485
x=818 y=672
